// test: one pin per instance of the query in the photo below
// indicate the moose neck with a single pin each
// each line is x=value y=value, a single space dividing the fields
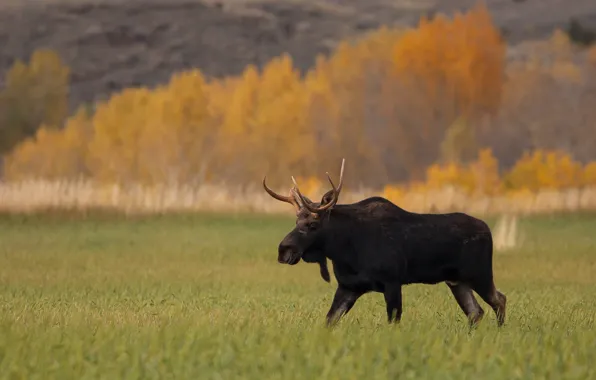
x=338 y=233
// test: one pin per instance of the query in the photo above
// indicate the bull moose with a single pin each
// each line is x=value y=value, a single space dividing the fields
x=376 y=246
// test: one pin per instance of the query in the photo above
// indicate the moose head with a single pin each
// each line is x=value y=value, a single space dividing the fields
x=305 y=240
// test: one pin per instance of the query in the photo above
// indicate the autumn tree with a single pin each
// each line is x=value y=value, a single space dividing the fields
x=176 y=142
x=349 y=105
x=35 y=93
x=452 y=71
x=399 y=104
x=117 y=125
x=236 y=124
x=280 y=139
x=52 y=153
x=545 y=170
x=480 y=177
x=153 y=137
x=589 y=174
x=546 y=104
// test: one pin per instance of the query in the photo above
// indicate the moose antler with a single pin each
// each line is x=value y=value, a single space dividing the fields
x=336 y=191
x=288 y=199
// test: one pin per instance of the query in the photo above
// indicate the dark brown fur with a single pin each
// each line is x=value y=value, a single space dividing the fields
x=376 y=246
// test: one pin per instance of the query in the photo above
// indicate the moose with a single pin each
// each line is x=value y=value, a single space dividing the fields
x=376 y=246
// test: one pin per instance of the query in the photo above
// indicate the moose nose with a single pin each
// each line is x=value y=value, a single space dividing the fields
x=284 y=254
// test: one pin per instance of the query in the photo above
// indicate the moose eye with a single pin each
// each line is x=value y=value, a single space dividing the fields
x=305 y=228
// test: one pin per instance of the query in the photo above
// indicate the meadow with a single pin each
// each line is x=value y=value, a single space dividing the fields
x=202 y=297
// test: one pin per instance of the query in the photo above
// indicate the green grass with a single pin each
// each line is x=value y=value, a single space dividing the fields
x=203 y=297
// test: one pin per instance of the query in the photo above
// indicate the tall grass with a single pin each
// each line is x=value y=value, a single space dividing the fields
x=35 y=195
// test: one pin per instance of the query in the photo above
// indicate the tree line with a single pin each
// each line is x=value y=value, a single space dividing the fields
x=442 y=103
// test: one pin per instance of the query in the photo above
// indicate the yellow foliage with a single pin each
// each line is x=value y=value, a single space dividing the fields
x=521 y=194
x=439 y=176
x=274 y=121
x=117 y=124
x=394 y=193
x=52 y=154
x=280 y=135
x=560 y=41
x=485 y=171
x=152 y=136
x=240 y=111
x=418 y=187
x=552 y=170
x=372 y=101
x=310 y=186
x=171 y=143
x=480 y=177
x=568 y=71
x=589 y=174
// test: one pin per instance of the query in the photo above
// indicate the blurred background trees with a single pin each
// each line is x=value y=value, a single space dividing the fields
x=35 y=94
x=443 y=104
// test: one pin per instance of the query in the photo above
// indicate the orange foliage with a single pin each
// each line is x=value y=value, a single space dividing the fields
x=462 y=58
x=274 y=121
x=396 y=104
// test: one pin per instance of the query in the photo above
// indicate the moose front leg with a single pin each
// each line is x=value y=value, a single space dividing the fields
x=394 y=302
x=343 y=301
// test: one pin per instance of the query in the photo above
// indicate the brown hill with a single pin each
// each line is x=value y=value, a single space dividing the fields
x=112 y=44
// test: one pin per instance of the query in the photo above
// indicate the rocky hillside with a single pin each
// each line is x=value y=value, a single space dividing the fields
x=111 y=44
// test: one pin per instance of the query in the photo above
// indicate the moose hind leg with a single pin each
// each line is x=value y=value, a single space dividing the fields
x=496 y=300
x=343 y=301
x=467 y=302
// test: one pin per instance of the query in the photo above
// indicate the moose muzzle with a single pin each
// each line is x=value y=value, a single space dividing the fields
x=287 y=255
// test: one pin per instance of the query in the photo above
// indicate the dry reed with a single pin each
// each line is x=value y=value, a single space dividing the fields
x=39 y=195
x=34 y=195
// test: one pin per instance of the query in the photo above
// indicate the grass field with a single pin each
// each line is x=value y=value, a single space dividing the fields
x=203 y=297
